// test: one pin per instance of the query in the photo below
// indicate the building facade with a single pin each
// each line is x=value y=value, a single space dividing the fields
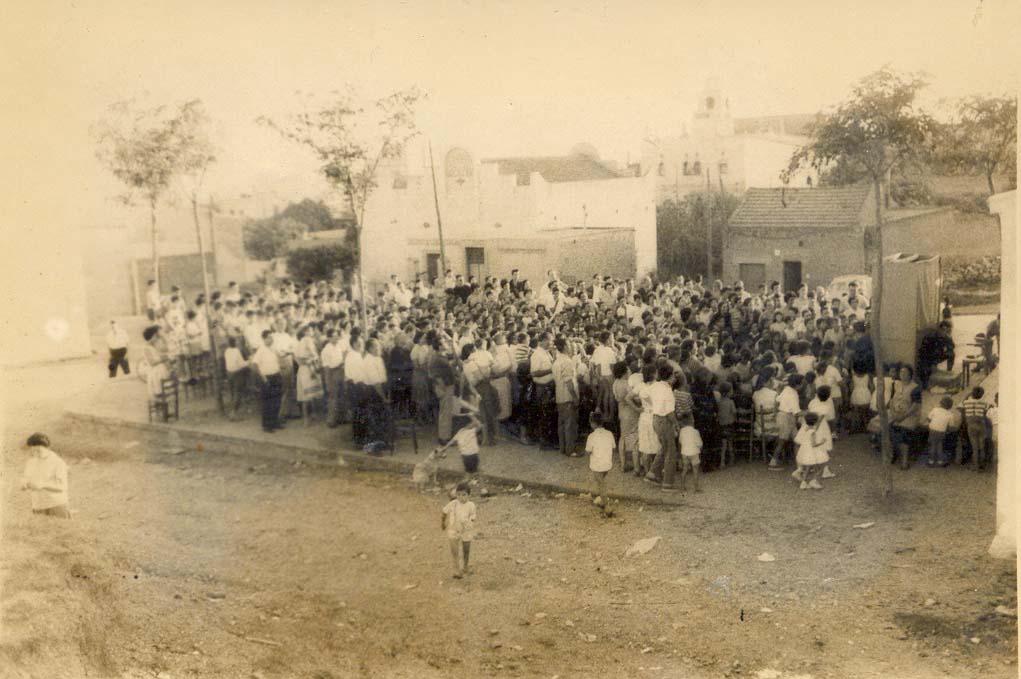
x=721 y=151
x=812 y=235
x=504 y=213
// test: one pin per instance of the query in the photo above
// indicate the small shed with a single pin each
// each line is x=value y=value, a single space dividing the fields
x=912 y=287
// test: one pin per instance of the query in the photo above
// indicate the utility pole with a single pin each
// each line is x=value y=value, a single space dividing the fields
x=439 y=220
x=211 y=207
x=208 y=304
x=708 y=226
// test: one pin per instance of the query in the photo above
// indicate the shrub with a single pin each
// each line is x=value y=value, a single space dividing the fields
x=320 y=263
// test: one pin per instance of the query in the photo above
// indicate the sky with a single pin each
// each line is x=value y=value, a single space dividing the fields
x=502 y=78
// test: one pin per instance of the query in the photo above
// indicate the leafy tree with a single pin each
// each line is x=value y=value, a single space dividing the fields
x=266 y=239
x=981 y=138
x=320 y=263
x=350 y=143
x=876 y=128
x=314 y=215
x=681 y=233
x=147 y=149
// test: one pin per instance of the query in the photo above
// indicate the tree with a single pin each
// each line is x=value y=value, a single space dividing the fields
x=350 y=143
x=146 y=149
x=265 y=239
x=876 y=128
x=981 y=138
x=681 y=232
x=319 y=263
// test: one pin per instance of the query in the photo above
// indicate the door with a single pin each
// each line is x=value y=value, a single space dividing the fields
x=475 y=258
x=791 y=276
x=752 y=275
x=432 y=268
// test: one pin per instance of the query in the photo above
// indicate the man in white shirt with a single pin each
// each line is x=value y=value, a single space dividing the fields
x=45 y=477
x=332 y=357
x=233 y=294
x=603 y=359
x=283 y=344
x=566 y=386
x=237 y=375
x=117 y=343
x=664 y=421
x=789 y=407
x=267 y=370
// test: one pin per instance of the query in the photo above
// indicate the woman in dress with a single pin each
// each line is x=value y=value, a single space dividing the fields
x=155 y=360
x=503 y=365
x=477 y=366
x=377 y=418
x=421 y=385
x=628 y=414
x=764 y=400
x=400 y=369
x=309 y=380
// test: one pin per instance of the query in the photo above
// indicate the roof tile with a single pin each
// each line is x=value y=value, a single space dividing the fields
x=825 y=207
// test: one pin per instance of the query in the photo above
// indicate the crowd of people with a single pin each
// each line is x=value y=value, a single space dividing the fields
x=674 y=370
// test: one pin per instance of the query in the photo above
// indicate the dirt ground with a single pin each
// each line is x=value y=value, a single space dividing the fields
x=198 y=565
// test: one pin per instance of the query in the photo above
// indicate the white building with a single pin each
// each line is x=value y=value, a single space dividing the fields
x=736 y=153
x=1004 y=545
x=504 y=213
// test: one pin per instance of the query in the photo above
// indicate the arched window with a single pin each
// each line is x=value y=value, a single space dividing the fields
x=459 y=169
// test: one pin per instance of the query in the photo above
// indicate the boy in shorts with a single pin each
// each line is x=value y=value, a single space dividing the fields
x=691 y=450
x=467 y=441
x=600 y=446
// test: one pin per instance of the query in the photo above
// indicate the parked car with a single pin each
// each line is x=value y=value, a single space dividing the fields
x=839 y=285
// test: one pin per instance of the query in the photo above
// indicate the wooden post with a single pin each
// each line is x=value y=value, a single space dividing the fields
x=877 y=348
x=439 y=220
x=209 y=319
x=708 y=228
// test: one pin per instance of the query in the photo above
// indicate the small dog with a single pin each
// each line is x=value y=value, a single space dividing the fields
x=426 y=470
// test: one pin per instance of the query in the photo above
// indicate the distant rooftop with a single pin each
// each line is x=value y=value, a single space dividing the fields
x=833 y=207
x=798 y=124
x=576 y=167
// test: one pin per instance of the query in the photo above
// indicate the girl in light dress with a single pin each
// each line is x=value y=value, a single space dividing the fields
x=309 y=379
x=861 y=397
x=648 y=441
x=814 y=445
x=156 y=367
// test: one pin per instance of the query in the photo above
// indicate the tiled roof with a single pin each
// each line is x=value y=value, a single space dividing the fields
x=573 y=168
x=795 y=124
x=831 y=207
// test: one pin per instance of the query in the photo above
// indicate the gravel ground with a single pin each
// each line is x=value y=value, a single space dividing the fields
x=200 y=565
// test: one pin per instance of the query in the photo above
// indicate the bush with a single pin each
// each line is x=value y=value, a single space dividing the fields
x=319 y=263
x=972 y=203
x=964 y=273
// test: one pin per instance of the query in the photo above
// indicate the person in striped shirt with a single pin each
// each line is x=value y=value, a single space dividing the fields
x=975 y=421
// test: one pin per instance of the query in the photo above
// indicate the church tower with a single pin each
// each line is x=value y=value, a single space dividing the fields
x=712 y=116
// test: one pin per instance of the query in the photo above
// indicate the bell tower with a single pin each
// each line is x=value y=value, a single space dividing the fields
x=712 y=116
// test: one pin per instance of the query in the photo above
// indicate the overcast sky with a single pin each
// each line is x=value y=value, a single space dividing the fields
x=502 y=78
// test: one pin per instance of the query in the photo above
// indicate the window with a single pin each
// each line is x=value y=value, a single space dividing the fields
x=400 y=182
x=709 y=103
x=696 y=167
x=475 y=258
x=524 y=178
x=661 y=170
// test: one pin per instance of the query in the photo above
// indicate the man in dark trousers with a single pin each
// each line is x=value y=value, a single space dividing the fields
x=936 y=346
x=266 y=365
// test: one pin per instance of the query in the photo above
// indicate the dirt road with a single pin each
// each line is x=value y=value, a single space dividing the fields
x=196 y=565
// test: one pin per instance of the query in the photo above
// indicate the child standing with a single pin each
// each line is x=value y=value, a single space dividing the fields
x=691 y=450
x=459 y=517
x=599 y=445
x=788 y=406
x=939 y=421
x=467 y=441
x=823 y=406
x=975 y=421
x=812 y=442
x=727 y=415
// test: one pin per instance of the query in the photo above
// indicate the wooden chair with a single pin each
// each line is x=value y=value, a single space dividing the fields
x=744 y=432
x=765 y=430
x=166 y=404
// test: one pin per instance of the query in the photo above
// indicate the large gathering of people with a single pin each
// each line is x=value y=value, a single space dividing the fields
x=679 y=371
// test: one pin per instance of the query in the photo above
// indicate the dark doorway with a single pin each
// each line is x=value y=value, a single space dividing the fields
x=432 y=268
x=791 y=276
x=476 y=260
